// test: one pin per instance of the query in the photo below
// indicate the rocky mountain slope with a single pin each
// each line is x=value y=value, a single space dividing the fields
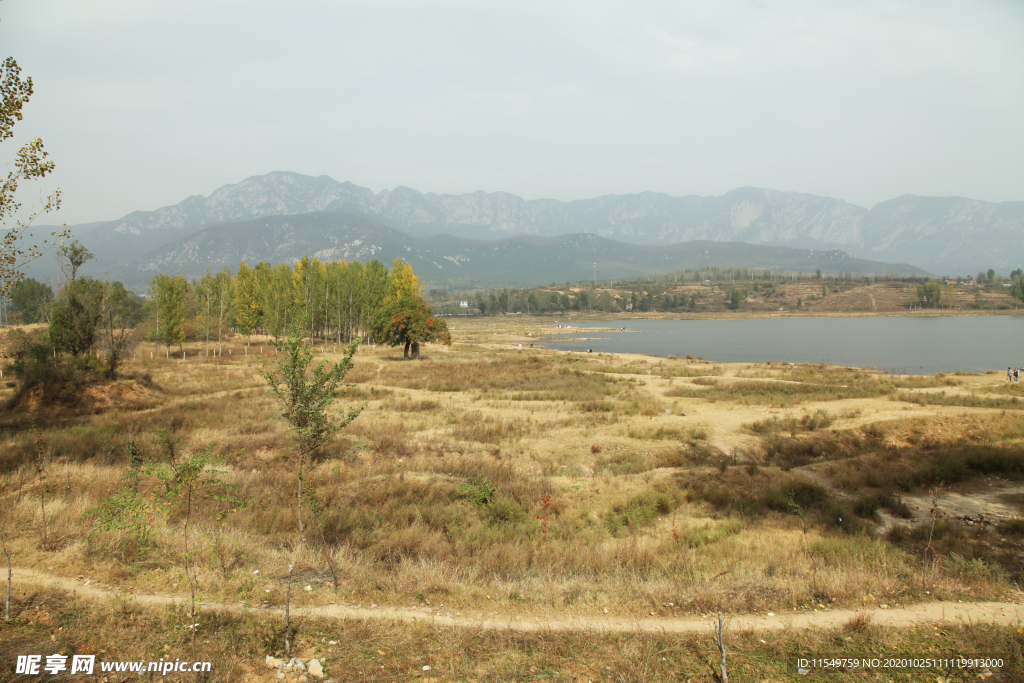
x=463 y=262
x=943 y=235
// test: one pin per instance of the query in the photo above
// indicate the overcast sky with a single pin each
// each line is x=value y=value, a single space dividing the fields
x=143 y=102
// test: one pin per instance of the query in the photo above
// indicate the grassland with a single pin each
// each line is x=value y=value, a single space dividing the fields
x=525 y=483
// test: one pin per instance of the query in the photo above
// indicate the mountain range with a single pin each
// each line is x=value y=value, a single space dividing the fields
x=945 y=235
x=464 y=262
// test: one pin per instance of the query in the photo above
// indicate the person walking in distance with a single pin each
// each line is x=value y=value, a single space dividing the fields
x=1009 y=375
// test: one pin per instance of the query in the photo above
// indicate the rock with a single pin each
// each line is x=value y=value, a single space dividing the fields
x=273 y=662
x=280 y=675
x=303 y=679
x=315 y=669
x=299 y=665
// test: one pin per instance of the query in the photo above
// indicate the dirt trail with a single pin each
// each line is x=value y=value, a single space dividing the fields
x=1001 y=613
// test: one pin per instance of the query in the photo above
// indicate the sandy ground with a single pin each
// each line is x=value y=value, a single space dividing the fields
x=1001 y=613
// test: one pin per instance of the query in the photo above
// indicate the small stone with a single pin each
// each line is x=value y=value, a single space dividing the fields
x=303 y=679
x=272 y=663
x=315 y=669
x=280 y=675
x=299 y=666
x=426 y=668
x=308 y=587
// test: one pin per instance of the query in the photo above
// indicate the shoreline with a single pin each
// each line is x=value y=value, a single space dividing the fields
x=730 y=315
x=610 y=336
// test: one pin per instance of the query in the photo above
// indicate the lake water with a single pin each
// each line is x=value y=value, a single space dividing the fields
x=914 y=345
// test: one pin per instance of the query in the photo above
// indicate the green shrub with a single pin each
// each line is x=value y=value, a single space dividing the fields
x=505 y=510
x=866 y=506
x=481 y=492
x=58 y=379
x=638 y=510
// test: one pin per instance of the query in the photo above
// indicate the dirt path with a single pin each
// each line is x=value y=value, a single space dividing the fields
x=1001 y=613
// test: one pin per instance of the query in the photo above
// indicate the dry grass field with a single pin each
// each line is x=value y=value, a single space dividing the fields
x=521 y=483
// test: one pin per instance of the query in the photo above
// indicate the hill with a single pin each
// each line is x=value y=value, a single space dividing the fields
x=458 y=261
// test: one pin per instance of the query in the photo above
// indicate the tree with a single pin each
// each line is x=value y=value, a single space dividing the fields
x=305 y=398
x=403 y=282
x=119 y=313
x=31 y=163
x=247 y=301
x=410 y=322
x=929 y=294
x=75 y=316
x=168 y=295
x=31 y=299
x=224 y=291
x=374 y=289
x=78 y=309
x=531 y=303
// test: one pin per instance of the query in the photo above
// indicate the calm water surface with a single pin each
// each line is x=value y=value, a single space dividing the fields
x=913 y=345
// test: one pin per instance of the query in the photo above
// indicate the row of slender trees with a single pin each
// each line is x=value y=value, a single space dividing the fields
x=334 y=300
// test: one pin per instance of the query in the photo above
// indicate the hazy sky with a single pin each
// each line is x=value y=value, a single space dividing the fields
x=143 y=102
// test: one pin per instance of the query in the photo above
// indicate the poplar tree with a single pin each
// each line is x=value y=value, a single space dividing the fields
x=168 y=294
x=247 y=301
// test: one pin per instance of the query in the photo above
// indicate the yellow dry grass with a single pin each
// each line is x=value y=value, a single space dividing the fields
x=501 y=479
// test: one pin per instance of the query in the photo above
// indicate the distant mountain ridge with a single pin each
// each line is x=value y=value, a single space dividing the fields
x=944 y=235
x=463 y=262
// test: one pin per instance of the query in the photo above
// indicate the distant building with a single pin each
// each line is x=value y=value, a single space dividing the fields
x=463 y=303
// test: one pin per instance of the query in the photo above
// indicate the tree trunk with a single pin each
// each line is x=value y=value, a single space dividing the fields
x=407 y=345
x=416 y=350
x=298 y=501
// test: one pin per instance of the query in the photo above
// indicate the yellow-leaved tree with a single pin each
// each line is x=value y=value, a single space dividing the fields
x=248 y=302
x=403 y=282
